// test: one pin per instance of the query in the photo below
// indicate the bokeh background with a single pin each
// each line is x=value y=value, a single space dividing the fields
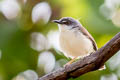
x=29 y=45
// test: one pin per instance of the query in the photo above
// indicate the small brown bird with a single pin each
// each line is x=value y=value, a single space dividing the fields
x=75 y=40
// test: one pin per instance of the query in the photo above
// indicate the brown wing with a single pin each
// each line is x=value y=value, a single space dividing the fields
x=85 y=32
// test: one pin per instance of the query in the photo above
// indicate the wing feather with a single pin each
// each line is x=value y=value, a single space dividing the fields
x=86 y=33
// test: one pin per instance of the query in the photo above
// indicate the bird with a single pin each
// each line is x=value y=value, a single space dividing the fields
x=75 y=41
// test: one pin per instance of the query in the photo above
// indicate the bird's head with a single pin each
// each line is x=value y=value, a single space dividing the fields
x=67 y=23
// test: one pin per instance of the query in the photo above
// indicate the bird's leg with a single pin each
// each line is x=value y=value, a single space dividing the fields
x=70 y=62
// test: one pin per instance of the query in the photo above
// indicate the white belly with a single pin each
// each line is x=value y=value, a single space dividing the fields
x=75 y=44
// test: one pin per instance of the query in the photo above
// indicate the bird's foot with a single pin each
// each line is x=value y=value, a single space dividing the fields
x=70 y=62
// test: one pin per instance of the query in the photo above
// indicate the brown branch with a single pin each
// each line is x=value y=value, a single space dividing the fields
x=90 y=63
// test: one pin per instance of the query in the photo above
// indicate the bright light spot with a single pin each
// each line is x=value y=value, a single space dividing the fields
x=39 y=42
x=109 y=7
x=106 y=12
x=116 y=18
x=53 y=38
x=41 y=11
x=46 y=61
x=109 y=77
x=112 y=4
x=27 y=75
x=114 y=60
x=10 y=8
x=60 y=63
x=111 y=10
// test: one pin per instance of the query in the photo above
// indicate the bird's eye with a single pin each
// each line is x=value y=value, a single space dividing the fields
x=65 y=22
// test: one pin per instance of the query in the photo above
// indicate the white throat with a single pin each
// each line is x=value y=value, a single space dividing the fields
x=63 y=28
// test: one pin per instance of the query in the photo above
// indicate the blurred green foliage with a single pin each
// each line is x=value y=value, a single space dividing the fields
x=17 y=56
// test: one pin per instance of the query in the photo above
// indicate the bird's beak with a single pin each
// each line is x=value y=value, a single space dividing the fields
x=56 y=21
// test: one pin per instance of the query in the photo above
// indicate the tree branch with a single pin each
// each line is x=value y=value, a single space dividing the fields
x=90 y=63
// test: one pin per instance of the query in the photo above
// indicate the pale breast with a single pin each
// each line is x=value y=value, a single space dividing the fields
x=75 y=44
